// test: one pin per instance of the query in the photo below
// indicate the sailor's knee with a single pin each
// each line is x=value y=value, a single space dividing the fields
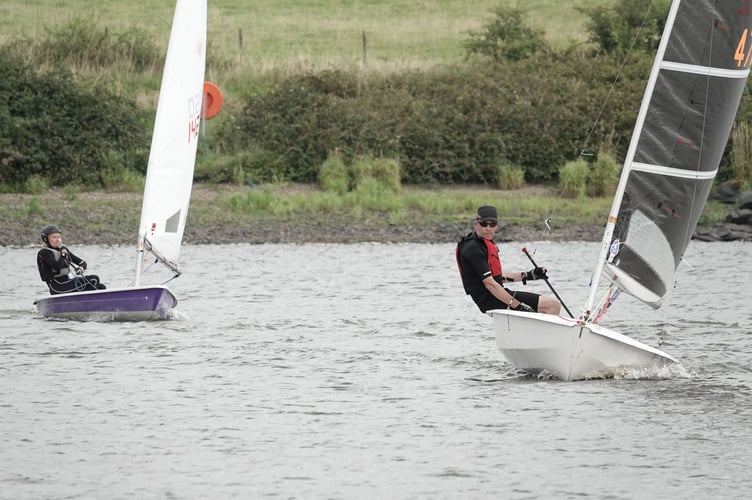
x=549 y=305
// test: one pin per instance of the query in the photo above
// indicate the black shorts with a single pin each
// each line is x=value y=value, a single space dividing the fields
x=486 y=302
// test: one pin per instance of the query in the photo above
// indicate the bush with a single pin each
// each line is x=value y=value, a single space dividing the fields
x=254 y=166
x=509 y=177
x=506 y=37
x=52 y=128
x=741 y=138
x=333 y=175
x=254 y=200
x=446 y=125
x=387 y=171
x=369 y=171
x=603 y=176
x=35 y=185
x=573 y=179
x=625 y=26
x=81 y=43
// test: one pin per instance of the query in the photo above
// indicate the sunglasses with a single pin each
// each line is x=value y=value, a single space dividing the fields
x=487 y=223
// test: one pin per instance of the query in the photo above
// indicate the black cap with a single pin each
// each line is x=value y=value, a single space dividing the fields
x=487 y=212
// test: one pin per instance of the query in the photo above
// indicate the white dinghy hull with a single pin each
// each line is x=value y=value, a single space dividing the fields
x=568 y=349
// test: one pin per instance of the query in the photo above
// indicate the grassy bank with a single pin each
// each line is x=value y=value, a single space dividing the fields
x=268 y=35
x=298 y=213
x=285 y=213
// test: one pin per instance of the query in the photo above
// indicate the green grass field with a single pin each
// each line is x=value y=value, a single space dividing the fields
x=278 y=34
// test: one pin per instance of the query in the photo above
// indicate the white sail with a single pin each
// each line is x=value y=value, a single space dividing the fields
x=169 y=177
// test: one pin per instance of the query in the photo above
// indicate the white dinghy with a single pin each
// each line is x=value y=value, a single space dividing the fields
x=692 y=95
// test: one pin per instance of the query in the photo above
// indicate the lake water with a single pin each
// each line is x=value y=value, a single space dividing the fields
x=363 y=371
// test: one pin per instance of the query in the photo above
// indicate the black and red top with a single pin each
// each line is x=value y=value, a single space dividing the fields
x=477 y=259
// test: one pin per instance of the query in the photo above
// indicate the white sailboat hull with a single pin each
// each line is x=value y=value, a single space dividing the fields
x=568 y=349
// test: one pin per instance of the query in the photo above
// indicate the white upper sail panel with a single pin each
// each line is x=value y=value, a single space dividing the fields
x=169 y=177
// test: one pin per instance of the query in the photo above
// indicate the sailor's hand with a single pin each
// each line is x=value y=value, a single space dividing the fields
x=538 y=273
x=82 y=265
x=522 y=307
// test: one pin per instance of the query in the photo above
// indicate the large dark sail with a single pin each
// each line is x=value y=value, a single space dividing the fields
x=682 y=129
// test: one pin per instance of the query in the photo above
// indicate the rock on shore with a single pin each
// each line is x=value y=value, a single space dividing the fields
x=738 y=224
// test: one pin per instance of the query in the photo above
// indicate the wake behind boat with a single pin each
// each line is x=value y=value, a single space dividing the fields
x=691 y=98
x=167 y=190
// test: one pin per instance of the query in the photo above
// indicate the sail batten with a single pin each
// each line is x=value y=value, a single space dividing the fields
x=674 y=172
x=704 y=70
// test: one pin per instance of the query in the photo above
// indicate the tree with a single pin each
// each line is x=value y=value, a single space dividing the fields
x=506 y=37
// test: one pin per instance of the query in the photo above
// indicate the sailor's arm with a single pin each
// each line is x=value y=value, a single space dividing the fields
x=498 y=291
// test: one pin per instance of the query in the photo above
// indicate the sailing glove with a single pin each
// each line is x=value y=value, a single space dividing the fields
x=82 y=265
x=538 y=273
x=522 y=307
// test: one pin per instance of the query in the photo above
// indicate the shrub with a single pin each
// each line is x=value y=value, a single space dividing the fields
x=627 y=25
x=602 y=176
x=251 y=167
x=742 y=152
x=333 y=174
x=56 y=129
x=446 y=125
x=81 y=43
x=509 y=177
x=256 y=199
x=387 y=171
x=384 y=172
x=35 y=185
x=506 y=37
x=573 y=179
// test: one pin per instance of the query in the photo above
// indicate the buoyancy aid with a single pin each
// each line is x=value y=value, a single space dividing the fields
x=491 y=252
x=494 y=262
x=64 y=271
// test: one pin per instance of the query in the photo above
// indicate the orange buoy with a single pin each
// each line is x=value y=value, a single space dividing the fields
x=213 y=101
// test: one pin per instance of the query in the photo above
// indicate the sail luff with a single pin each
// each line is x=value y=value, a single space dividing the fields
x=627 y=165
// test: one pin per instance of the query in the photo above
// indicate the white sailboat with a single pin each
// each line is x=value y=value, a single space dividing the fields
x=169 y=180
x=691 y=98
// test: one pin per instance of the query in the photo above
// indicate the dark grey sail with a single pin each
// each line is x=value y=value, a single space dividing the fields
x=689 y=106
